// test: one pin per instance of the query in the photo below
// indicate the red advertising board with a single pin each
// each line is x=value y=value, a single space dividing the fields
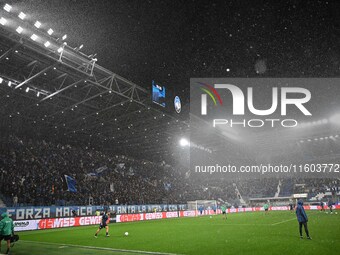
x=68 y=222
x=146 y=216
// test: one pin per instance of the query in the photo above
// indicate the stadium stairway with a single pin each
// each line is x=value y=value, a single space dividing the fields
x=277 y=193
x=317 y=197
x=286 y=188
x=239 y=196
x=2 y=204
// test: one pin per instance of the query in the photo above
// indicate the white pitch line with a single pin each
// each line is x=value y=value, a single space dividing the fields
x=103 y=248
x=277 y=223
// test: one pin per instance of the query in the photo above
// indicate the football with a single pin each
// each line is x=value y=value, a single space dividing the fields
x=126 y=233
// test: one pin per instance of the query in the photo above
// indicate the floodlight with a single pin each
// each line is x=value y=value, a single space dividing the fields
x=27 y=89
x=22 y=15
x=37 y=24
x=3 y=21
x=184 y=142
x=50 y=31
x=9 y=83
x=7 y=7
x=64 y=37
x=1 y=80
x=34 y=37
x=47 y=43
x=60 y=49
x=19 y=30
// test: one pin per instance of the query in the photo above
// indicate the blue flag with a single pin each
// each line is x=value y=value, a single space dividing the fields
x=71 y=183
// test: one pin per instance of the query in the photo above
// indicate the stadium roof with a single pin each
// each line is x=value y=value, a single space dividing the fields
x=52 y=90
x=100 y=108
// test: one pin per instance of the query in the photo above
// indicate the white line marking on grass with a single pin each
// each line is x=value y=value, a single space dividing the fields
x=103 y=248
x=224 y=224
x=277 y=223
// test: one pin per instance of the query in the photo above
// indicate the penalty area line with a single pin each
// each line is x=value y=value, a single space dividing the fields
x=101 y=248
x=277 y=223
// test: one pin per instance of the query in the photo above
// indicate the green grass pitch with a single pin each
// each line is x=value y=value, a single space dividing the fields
x=242 y=233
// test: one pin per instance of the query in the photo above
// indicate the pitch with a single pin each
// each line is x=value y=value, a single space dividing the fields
x=241 y=233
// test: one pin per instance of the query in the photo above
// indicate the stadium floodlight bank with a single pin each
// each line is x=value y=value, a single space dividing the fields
x=203 y=207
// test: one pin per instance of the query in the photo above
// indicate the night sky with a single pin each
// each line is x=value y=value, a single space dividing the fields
x=172 y=41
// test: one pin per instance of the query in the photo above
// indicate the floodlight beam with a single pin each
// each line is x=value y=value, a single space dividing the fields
x=335 y=119
x=184 y=142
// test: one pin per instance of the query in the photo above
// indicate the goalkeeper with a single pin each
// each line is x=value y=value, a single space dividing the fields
x=224 y=212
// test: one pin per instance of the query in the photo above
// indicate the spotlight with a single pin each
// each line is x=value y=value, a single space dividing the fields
x=9 y=83
x=3 y=21
x=81 y=46
x=19 y=30
x=7 y=8
x=37 y=24
x=34 y=37
x=50 y=31
x=27 y=89
x=47 y=43
x=64 y=37
x=1 y=80
x=22 y=15
x=38 y=94
x=184 y=142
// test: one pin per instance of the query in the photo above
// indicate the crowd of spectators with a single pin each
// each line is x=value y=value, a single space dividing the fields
x=316 y=186
x=33 y=173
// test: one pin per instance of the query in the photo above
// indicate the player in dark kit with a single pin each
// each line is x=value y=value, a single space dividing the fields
x=322 y=206
x=103 y=224
x=330 y=205
x=291 y=207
